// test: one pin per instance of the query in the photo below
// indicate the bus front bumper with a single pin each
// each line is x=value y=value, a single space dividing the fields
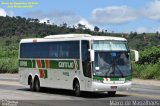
x=103 y=87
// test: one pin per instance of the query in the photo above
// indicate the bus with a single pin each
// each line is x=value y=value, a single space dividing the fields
x=78 y=62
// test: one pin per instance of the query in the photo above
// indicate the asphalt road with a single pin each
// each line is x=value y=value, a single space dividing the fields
x=13 y=93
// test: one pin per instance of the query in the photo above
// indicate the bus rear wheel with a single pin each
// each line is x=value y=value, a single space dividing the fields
x=31 y=85
x=77 y=88
x=37 y=85
x=112 y=93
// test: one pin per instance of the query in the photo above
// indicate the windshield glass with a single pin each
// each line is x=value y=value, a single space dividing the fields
x=104 y=45
x=109 y=64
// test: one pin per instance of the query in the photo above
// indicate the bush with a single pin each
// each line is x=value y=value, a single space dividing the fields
x=148 y=66
x=150 y=55
x=8 y=65
x=146 y=71
x=137 y=69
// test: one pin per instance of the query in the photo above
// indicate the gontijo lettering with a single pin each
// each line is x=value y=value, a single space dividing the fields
x=66 y=64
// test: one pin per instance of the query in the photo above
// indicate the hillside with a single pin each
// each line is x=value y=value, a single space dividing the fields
x=12 y=29
x=19 y=27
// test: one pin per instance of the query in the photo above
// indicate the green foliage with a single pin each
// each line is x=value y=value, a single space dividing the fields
x=137 y=69
x=147 y=71
x=141 y=41
x=9 y=54
x=150 y=55
x=148 y=66
x=9 y=65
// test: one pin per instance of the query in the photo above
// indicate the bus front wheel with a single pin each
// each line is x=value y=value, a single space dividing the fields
x=77 y=88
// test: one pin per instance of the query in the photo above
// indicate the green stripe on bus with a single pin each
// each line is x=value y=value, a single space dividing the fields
x=97 y=78
x=43 y=64
x=29 y=63
x=113 y=78
x=129 y=78
x=53 y=64
x=45 y=74
x=33 y=64
x=121 y=78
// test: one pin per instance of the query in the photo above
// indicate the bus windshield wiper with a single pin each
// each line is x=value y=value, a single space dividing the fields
x=119 y=70
x=115 y=65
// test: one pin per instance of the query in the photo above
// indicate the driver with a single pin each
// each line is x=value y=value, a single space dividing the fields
x=104 y=60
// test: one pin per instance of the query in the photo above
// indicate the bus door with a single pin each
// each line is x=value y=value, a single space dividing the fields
x=86 y=64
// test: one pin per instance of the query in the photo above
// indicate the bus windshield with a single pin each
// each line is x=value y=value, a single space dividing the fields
x=112 y=59
x=103 y=45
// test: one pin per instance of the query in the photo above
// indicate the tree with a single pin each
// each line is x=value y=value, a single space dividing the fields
x=48 y=21
x=64 y=25
x=36 y=20
x=80 y=26
x=29 y=19
x=157 y=33
x=96 y=29
x=135 y=34
x=144 y=33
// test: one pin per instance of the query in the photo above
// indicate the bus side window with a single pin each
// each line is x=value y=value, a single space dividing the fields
x=68 y=49
x=53 y=50
x=86 y=59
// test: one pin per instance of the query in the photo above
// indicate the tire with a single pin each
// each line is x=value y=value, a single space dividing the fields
x=112 y=93
x=37 y=85
x=31 y=84
x=77 y=88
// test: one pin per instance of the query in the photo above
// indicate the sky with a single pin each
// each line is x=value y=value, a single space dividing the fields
x=121 y=16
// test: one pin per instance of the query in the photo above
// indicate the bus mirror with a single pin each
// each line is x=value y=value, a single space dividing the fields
x=92 y=55
x=136 y=55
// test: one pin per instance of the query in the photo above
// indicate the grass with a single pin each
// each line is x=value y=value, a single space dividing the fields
x=8 y=65
x=147 y=71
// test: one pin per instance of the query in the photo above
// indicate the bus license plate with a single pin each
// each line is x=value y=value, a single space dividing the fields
x=113 y=87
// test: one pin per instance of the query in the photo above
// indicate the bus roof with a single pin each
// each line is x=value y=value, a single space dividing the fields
x=66 y=37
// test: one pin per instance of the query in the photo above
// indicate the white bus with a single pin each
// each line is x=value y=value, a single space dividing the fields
x=80 y=62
